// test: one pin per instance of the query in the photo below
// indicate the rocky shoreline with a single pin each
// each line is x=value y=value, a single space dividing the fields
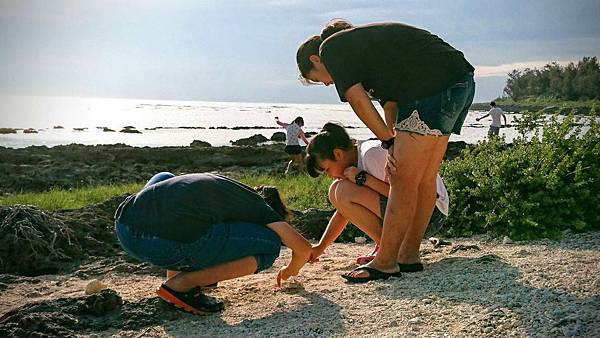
x=519 y=108
x=39 y=168
x=471 y=287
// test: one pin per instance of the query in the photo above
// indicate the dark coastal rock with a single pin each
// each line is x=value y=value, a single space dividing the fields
x=311 y=222
x=70 y=316
x=247 y=127
x=278 y=136
x=130 y=130
x=106 y=129
x=58 y=127
x=8 y=131
x=39 y=168
x=80 y=129
x=30 y=131
x=200 y=144
x=34 y=242
x=250 y=141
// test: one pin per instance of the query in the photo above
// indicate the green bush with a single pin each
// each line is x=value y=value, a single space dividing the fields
x=546 y=181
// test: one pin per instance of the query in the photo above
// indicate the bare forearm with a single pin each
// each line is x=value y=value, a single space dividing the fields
x=390 y=110
x=366 y=112
x=336 y=225
x=378 y=185
x=300 y=247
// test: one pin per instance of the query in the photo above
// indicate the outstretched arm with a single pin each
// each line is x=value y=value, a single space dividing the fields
x=302 y=136
x=282 y=124
x=300 y=247
x=366 y=112
x=336 y=225
x=481 y=118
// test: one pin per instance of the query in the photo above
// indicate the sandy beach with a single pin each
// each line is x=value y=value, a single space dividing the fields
x=476 y=287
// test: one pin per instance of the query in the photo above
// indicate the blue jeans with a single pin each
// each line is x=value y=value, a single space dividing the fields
x=222 y=243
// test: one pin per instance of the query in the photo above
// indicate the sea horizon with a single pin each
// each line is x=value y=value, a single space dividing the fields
x=60 y=120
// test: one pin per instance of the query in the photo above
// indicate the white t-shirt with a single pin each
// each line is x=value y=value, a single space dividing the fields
x=496 y=113
x=292 y=130
x=372 y=159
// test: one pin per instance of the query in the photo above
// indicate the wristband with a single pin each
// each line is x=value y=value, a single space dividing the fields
x=360 y=178
x=387 y=143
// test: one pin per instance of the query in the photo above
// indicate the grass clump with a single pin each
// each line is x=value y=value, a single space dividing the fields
x=58 y=198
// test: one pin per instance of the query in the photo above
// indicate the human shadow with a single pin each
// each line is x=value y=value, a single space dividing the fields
x=305 y=320
x=496 y=286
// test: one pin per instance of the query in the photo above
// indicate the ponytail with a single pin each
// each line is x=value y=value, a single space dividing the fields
x=321 y=146
x=271 y=196
x=334 y=26
x=312 y=45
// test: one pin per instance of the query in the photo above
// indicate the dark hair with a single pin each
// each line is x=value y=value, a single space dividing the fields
x=299 y=121
x=273 y=199
x=311 y=45
x=493 y=104
x=321 y=146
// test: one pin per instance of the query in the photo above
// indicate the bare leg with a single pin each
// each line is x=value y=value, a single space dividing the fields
x=412 y=153
x=289 y=166
x=411 y=242
x=185 y=281
x=297 y=161
x=360 y=205
x=172 y=273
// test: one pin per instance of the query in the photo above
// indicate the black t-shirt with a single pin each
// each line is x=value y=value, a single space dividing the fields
x=393 y=61
x=183 y=208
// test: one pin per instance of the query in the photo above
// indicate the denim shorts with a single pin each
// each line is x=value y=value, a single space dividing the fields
x=222 y=243
x=435 y=223
x=440 y=114
x=494 y=130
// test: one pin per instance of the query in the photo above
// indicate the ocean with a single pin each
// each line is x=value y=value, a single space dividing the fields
x=66 y=120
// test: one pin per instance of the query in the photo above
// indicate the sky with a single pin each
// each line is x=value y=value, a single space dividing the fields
x=245 y=50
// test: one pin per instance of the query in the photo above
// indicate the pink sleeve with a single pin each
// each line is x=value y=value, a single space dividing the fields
x=302 y=136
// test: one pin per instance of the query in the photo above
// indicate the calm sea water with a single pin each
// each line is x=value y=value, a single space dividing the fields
x=178 y=117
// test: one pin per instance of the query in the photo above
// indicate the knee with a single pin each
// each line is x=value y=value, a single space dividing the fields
x=344 y=190
x=332 y=192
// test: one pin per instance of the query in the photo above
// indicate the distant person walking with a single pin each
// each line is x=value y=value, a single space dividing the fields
x=495 y=112
x=294 y=132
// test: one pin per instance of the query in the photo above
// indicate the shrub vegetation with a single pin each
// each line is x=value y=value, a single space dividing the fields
x=545 y=182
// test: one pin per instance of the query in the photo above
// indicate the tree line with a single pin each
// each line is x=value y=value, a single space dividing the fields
x=580 y=81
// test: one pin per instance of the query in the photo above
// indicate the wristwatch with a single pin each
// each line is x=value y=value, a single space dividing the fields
x=360 y=178
x=387 y=143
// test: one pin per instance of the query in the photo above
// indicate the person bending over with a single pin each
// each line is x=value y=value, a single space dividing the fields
x=206 y=228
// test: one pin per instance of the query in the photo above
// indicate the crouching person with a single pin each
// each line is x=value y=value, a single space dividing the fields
x=206 y=228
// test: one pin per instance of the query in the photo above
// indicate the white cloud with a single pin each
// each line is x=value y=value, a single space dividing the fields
x=502 y=70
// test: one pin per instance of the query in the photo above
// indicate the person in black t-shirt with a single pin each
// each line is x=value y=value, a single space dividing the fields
x=206 y=228
x=425 y=87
